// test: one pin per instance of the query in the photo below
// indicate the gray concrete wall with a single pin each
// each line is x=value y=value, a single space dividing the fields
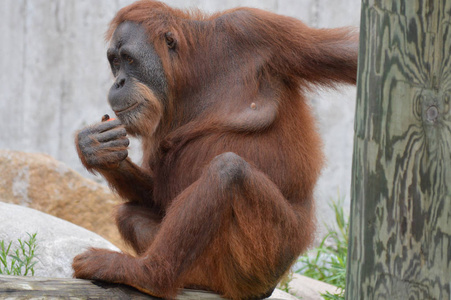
x=54 y=77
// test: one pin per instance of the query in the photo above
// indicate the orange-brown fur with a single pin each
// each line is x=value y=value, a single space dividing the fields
x=198 y=217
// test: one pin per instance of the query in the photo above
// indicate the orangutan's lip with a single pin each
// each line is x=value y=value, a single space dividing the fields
x=127 y=109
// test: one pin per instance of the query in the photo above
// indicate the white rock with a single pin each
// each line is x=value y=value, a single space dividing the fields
x=281 y=295
x=307 y=288
x=58 y=241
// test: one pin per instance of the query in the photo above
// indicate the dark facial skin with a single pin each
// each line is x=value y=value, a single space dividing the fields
x=136 y=67
x=132 y=58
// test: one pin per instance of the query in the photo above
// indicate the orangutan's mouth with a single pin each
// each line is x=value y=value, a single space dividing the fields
x=130 y=108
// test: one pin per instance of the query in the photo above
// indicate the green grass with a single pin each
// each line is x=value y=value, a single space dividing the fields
x=19 y=261
x=327 y=262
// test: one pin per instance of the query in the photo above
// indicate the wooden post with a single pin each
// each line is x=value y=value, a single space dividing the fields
x=17 y=287
x=400 y=236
